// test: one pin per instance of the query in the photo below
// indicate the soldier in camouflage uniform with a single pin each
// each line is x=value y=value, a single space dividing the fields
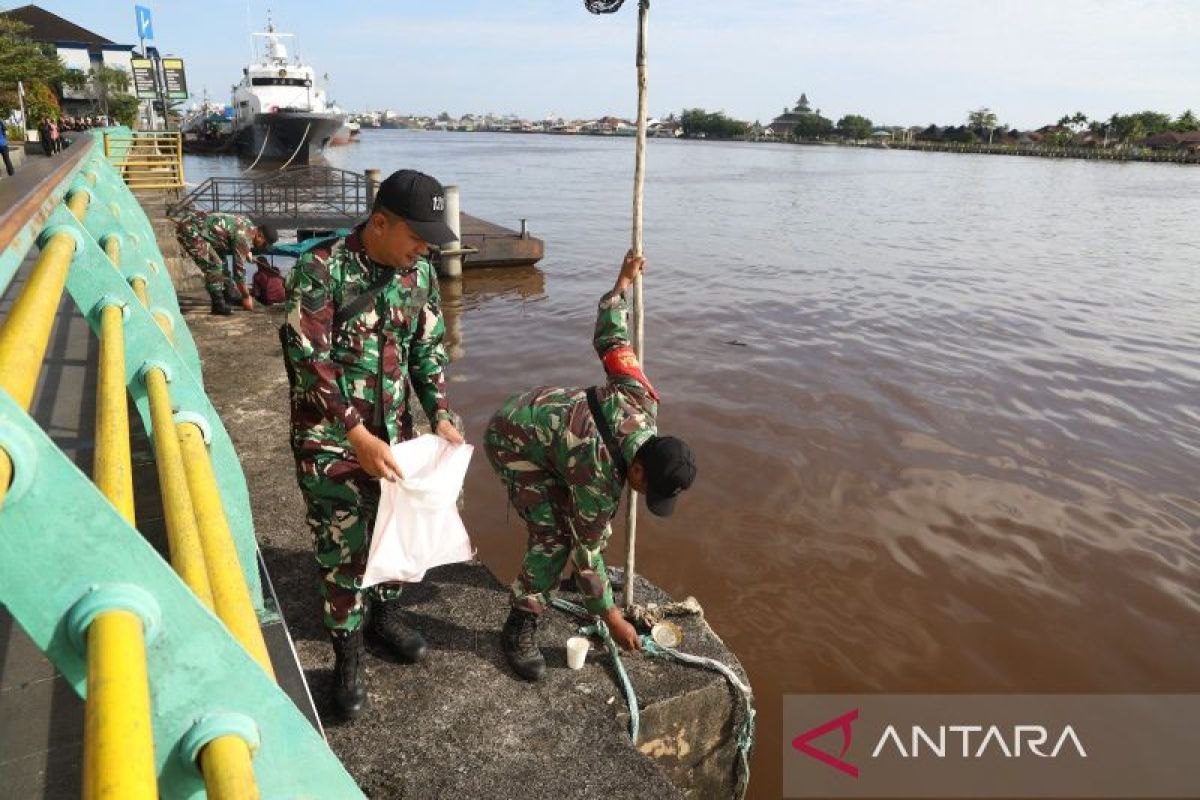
x=564 y=456
x=208 y=237
x=363 y=319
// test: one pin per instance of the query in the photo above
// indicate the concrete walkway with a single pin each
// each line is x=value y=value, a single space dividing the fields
x=459 y=724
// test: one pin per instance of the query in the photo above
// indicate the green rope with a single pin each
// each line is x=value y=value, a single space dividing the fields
x=745 y=736
x=600 y=629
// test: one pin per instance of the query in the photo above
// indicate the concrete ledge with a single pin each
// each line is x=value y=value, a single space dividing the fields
x=460 y=724
x=183 y=271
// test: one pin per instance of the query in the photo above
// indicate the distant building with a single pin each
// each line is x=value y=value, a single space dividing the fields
x=1188 y=141
x=782 y=126
x=666 y=129
x=79 y=48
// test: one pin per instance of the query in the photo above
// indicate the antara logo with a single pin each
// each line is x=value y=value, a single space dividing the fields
x=844 y=723
x=971 y=741
x=991 y=738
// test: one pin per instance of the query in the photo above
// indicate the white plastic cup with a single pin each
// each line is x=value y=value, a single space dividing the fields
x=577 y=650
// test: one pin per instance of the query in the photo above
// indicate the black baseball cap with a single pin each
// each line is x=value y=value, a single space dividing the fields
x=670 y=469
x=420 y=200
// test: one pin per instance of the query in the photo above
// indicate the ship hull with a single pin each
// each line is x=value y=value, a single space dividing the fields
x=283 y=137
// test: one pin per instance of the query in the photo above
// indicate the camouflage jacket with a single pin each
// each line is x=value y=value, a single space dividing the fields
x=229 y=234
x=572 y=447
x=340 y=371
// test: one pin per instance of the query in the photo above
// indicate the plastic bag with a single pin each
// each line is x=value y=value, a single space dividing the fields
x=417 y=526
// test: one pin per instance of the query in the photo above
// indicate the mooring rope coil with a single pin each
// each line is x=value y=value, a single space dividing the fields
x=745 y=736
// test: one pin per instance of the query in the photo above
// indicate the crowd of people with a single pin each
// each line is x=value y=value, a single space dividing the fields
x=83 y=123
x=50 y=130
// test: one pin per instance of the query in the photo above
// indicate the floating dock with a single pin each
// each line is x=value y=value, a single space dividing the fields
x=319 y=199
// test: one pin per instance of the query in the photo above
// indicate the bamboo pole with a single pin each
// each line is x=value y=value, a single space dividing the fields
x=639 y=178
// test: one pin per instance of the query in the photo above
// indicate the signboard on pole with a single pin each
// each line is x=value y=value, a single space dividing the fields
x=176 y=84
x=145 y=24
x=143 y=78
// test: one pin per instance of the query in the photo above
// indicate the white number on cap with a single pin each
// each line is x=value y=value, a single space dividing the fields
x=439 y=203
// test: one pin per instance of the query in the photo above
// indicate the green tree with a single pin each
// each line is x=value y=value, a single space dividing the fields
x=812 y=125
x=981 y=119
x=1131 y=128
x=22 y=59
x=854 y=126
x=124 y=109
x=107 y=84
x=696 y=122
x=1077 y=122
x=1187 y=122
x=983 y=122
x=40 y=103
x=34 y=63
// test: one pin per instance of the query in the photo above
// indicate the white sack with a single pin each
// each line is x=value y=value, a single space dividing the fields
x=417 y=526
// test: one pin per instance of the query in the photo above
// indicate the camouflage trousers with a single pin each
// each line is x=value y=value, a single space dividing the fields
x=189 y=232
x=341 y=502
x=543 y=500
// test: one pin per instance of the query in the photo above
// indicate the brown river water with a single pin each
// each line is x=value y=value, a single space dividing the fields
x=946 y=408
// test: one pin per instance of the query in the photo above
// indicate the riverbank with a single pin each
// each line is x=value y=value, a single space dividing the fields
x=1039 y=151
x=1030 y=150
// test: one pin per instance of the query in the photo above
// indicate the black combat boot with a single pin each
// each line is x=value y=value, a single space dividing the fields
x=519 y=638
x=386 y=628
x=219 y=306
x=349 y=675
x=232 y=296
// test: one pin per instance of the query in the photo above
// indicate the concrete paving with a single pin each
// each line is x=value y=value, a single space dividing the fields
x=459 y=724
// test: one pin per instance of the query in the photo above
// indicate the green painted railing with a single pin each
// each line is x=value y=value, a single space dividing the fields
x=66 y=554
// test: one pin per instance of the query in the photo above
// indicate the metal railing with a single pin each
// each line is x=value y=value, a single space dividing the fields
x=199 y=710
x=146 y=159
x=302 y=196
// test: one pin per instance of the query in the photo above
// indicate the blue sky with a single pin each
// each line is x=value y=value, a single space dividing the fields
x=899 y=62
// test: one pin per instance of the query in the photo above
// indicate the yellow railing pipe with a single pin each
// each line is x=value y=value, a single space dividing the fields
x=6 y=474
x=164 y=322
x=26 y=331
x=78 y=204
x=112 y=249
x=118 y=761
x=231 y=597
x=118 y=742
x=228 y=773
x=111 y=467
x=183 y=536
x=139 y=289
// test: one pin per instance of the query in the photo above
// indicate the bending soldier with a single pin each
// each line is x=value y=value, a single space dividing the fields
x=363 y=319
x=564 y=455
x=208 y=237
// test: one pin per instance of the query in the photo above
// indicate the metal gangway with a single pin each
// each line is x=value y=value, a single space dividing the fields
x=300 y=197
x=168 y=653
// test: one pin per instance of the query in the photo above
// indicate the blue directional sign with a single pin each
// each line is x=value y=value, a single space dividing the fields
x=144 y=24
